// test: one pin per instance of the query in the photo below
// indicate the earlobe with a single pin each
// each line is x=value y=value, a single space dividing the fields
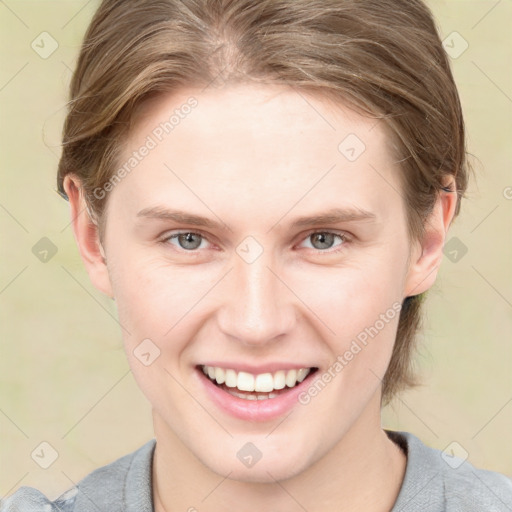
x=86 y=235
x=428 y=253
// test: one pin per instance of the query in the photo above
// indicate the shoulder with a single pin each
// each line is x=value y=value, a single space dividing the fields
x=115 y=487
x=28 y=499
x=439 y=480
x=473 y=489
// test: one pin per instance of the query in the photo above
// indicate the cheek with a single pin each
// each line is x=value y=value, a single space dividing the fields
x=155 y=300
x=356 y=312
x=349 y=299
x=156 y=305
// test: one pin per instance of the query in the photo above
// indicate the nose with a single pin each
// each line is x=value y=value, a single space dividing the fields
x=257 y=307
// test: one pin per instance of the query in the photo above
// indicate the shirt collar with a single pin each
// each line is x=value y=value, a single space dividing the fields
x=125 y=485
x=422 y=487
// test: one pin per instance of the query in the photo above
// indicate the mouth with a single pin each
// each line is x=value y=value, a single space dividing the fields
x=251 y=387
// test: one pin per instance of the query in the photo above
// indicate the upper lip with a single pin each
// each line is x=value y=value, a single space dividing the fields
x=270 y=367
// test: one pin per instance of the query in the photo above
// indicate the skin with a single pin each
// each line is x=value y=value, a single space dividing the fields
x=254 y=158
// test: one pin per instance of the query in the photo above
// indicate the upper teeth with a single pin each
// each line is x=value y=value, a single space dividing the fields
x=264 y=382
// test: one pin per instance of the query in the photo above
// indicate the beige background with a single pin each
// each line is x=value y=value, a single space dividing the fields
x=64 y=379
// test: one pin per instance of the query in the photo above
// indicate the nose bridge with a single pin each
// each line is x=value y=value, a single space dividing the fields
x=257 y=307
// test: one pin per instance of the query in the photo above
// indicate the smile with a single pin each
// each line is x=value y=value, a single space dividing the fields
x=254 y=393
x=244 y=384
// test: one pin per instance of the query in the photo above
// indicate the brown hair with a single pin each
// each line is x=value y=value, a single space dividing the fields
x=383 y=58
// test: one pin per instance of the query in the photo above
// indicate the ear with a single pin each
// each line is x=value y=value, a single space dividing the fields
x=427 y=254
x=87 y=239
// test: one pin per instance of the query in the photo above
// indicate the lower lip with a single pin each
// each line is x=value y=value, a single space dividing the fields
x=254 y=410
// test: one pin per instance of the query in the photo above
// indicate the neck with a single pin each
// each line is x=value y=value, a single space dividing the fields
x=364 y=471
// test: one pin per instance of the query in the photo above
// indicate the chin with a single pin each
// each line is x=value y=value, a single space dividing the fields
x=274 y=468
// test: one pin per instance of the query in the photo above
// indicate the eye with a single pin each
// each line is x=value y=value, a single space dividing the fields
x=187 y=240
x=322 y=240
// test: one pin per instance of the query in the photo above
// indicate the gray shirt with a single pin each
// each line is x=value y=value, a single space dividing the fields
x=434 y=482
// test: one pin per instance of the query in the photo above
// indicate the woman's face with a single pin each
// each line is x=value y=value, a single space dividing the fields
x=252 y=288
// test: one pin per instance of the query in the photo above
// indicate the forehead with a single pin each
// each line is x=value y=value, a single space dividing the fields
x=271 y=143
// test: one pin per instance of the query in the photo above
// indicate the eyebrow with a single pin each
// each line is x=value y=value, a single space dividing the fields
x=332 y=216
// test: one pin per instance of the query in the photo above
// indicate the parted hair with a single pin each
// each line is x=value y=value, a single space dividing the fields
x=383 y=58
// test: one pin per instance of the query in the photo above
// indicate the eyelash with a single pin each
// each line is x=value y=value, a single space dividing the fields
x=343 y=235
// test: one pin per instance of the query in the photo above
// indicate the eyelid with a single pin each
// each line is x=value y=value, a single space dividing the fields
x=176 y=232
x=343 y=234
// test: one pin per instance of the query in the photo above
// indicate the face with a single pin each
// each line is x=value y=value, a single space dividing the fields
x=301 y=261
